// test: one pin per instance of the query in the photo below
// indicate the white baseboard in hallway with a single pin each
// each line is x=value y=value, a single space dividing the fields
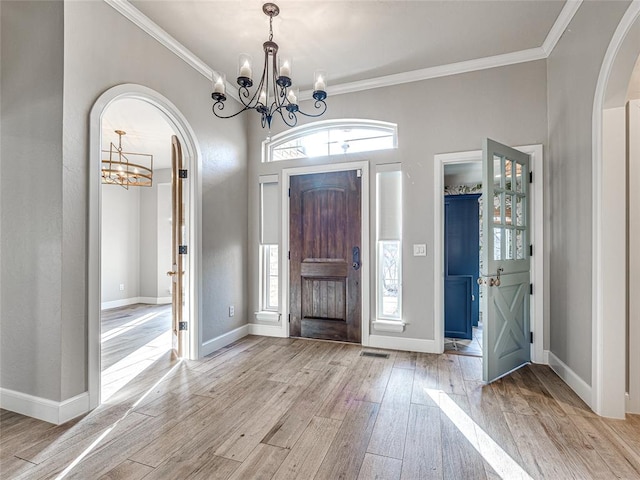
x=42 y=408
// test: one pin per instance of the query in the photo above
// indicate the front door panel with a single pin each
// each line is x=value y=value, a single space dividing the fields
x=325 y=260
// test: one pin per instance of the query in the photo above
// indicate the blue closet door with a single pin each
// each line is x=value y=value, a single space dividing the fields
x=462 y=258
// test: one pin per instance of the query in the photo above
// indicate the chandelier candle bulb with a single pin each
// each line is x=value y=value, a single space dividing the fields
x=263 y=98
x=285 y=68
x=320 y=83
x=292 y=96
x=218 y=85
x=245 y=66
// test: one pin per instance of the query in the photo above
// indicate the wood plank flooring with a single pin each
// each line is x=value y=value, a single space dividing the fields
x=267 y=408
x=133 y=337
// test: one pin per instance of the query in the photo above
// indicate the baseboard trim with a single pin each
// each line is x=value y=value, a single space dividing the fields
x=265 y=330
x=405 y=344
x=223 y=340
x=571 y=378
x=42 y=408
x=155 y=300
x=133 y=300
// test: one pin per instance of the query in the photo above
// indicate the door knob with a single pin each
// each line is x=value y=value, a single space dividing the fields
x=171 y=273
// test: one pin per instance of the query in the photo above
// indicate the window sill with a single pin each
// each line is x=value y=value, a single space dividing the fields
x=268 y=317
x=388 y=326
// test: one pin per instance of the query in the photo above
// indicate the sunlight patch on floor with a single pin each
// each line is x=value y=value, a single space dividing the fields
x=493 y=454
x=121 y=373
x=109 y=429
x=116 y=332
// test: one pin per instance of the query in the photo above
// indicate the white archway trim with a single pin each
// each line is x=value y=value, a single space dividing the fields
x=608 y=387
x=192 y=156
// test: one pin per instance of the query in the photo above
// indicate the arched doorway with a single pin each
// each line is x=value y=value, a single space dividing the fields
x=191 y=154
x=609 y=363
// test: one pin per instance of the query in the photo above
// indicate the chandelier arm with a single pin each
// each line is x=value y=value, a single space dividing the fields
x=219 y=105
x=244 y=92
x=290 y=119
x=319 y=104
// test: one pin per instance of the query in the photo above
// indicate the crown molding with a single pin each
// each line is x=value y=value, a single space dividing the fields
x=538 y=53
x=560 y=25
x=154 y=30
x=435 y=72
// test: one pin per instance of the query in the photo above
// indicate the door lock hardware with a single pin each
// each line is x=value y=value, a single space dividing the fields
x=492 y=282
x=356 y=258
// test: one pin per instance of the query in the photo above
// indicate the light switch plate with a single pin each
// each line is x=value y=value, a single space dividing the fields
x=419 y=250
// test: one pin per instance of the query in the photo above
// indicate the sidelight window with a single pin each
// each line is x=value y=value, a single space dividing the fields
x=389 y=242
x=270 y=277
x=269 y=258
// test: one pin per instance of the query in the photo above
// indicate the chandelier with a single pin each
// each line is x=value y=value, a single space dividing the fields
x=274 y=94
x=119 y=170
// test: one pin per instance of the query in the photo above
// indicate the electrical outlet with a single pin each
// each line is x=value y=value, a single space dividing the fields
x=232 y=311
x=419 y=250
x=122 y=287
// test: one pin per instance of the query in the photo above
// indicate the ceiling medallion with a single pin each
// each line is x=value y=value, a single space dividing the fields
x=274 y=94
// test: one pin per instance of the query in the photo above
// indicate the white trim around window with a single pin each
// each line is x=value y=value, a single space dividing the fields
x=388 y=266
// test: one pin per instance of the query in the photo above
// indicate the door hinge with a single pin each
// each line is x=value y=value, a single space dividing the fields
x=289 y=255
x=530 y=177
x=182 y=173
x=531 y=289
x=531 y=250
x=530 y=337
x=289 y=318
x=182 y=326
x=182 y=250
x=289 y=192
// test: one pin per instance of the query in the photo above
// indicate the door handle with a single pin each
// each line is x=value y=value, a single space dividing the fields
x=492 y=282
x=356 y=258
x=171 y=273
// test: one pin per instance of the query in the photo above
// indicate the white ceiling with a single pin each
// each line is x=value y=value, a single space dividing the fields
x=355 y=40
x=146 y=129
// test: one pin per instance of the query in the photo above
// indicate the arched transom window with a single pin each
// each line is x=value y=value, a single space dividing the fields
x=331 y=137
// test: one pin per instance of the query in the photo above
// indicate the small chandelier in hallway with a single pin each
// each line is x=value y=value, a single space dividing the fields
x=119 y=170
x=274 y=93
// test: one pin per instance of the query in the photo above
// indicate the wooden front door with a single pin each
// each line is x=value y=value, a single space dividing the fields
x=325 y=256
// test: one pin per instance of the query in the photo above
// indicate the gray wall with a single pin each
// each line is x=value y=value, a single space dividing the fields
x=153 y=270
x=121 y=233
x=435 y=116
x=45 y=194
x=31 y=196
x=130 y=239
x=573 y=70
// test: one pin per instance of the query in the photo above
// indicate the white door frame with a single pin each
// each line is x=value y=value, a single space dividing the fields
x=608 y=386
x=364 y=247
x=539 y=260
x=192 y=156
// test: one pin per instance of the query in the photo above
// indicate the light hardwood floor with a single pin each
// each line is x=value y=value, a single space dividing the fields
x=266 y=408
x=133 y=338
